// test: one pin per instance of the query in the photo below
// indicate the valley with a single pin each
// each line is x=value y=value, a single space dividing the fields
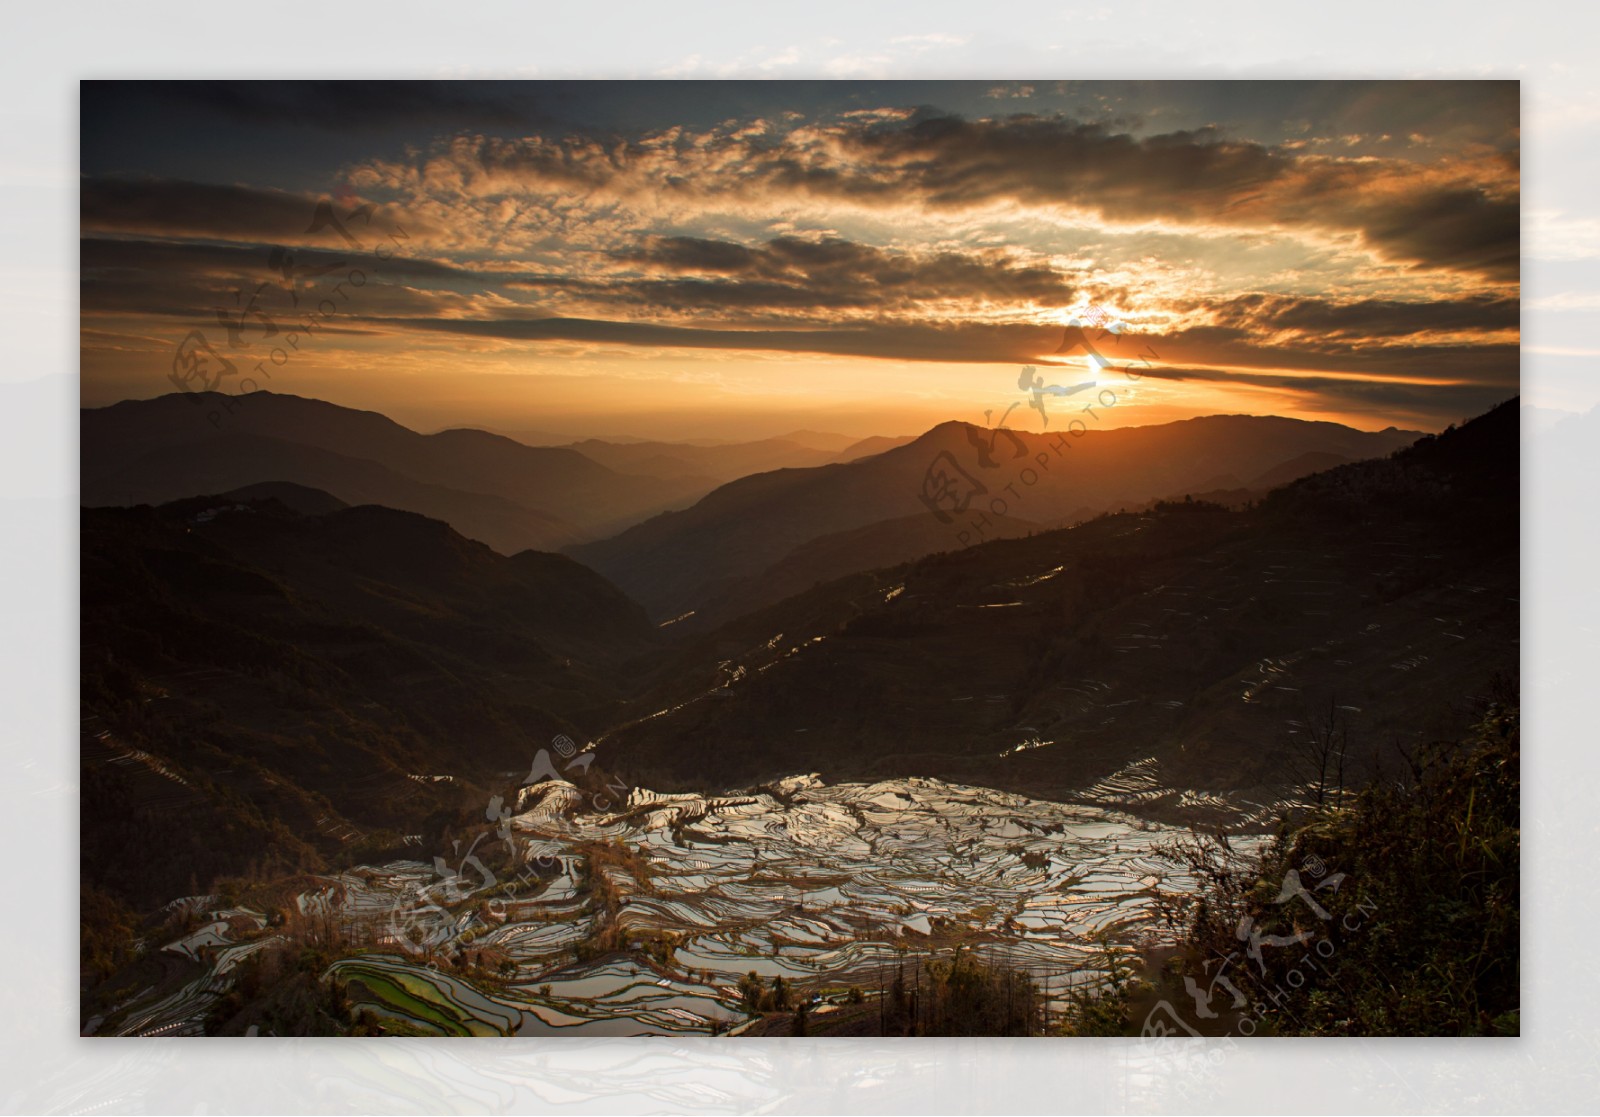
x=827 y=886
x=305 y=723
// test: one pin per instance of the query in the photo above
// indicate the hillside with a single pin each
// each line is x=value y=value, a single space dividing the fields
x=248 y=462
x=883 y=544
x=1190 y=646
x=267 y=688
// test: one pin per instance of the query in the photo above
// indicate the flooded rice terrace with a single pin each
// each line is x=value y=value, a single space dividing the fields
x=827 y=886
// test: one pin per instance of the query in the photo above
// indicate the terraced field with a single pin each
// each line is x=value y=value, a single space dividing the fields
x=827 y=886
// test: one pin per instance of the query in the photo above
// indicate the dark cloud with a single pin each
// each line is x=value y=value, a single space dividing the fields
x=176 y=208
x=105 y=255
x=1364 y=354
x=830 y=272
x=1011 y=344
x=172 y=208
x=1190 y=176
x=254 y=303
x=791 y=294
x=1455 y=228
x=1461 y=217
x=1337 y=323
x=1044 y=160
x=694 y=254
x=906 y=342
x=1381 y=398
x=199 y=280
x=680 y=273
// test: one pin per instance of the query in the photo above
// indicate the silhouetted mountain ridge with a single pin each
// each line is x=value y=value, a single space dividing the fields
x=680 y=561
x=494 y=488
x=1185 y=647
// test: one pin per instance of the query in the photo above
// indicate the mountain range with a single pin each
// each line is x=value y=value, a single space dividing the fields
x=728 y=543
x=512 y=496
x=1163 y=656
x=278 y=675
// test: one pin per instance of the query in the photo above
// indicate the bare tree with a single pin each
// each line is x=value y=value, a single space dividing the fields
x=1319 y=759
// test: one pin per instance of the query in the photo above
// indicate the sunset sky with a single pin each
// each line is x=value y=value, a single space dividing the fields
x=741 y=259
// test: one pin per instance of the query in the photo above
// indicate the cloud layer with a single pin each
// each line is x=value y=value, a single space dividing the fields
x=1350 y=268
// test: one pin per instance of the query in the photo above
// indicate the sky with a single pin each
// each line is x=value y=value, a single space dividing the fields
x=727 y=260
